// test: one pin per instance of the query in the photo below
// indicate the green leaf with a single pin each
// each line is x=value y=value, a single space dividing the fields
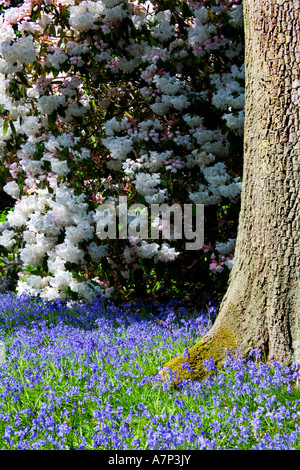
x=52 y=119
x=12 y=127
x=186 y=10
x=35 y=14
x=47 y=165
x=23 y=79
x=153 y=42
x=52 y=30
x=211 y=15
x=61 y=111
x=5 y=127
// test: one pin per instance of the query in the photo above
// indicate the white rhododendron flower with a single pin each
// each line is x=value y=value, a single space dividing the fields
x=226 y=248
x=7 y=239
x=12 y=188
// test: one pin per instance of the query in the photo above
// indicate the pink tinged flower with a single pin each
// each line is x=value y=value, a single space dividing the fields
x=105 y=29
x=207 y=248
x=216 y=267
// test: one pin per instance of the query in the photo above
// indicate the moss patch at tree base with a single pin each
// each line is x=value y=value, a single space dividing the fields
x=191 y=366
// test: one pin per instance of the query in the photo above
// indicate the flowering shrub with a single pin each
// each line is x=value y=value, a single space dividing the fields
x=112 y=97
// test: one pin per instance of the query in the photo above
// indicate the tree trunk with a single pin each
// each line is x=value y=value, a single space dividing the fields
x=261 y=308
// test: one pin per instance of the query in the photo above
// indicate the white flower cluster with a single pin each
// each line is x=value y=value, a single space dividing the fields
x=226 y=248
x=202 y=30
x=145 y=184
x=163 y=29
x=230 y=92
x=41 y=229
x=217 y=177
x=7 y=239
x=163 y=105
x=235 y=122
x=83 y=16
x=119 y=148
x=230 y=97
x=55 y=222
x=12 y=188
x=143 y=249
x=16 y=55
x=236 y=17
x=48 y=104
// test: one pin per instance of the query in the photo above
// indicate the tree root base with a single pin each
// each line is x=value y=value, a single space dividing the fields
x=191 y=367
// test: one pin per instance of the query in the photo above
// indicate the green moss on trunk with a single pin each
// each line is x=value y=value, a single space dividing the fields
x=215 y=347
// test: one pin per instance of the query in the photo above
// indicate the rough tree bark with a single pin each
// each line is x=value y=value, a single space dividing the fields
x=261 y=308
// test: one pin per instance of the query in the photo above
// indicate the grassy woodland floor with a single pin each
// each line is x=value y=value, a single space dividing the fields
x=84 y=377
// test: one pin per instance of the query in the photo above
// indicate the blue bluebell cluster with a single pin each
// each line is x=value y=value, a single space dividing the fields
x=84 y=376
